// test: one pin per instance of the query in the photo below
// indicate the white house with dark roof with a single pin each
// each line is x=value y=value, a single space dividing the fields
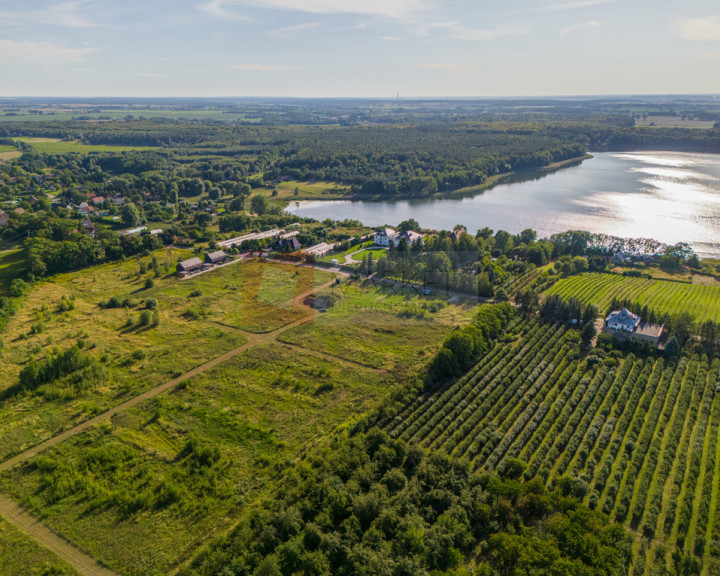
x=623 y=324
x=623 y=320
x=385 y=236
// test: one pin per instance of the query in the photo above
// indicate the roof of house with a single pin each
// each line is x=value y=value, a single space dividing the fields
x=412 y=236
x=650 y=330
x=192 y=263
x=98 y=199
x=624 y=317
x=389 y=232
x=217 y=255
x=20 y=210
x=458 y=232
x=291 y=243
x=87 y=223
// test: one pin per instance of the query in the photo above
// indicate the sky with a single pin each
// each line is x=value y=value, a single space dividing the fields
x=358 y=48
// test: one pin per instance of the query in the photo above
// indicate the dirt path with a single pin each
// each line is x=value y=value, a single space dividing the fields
x=83 y=563
x=330 y=357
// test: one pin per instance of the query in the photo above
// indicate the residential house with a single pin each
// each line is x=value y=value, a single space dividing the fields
x=410 y=236
x=215 y=257
x=85 y=208
x=624 y=325
x=290 y=244
x=19 y=210
x=88 y=227
x=189 y=266
x=458 y=232
x=623 y=320
x=385 y=236
x=98 y=200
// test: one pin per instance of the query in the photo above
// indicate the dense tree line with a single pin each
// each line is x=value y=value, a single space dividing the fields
x=369 y=505
x=466 y=345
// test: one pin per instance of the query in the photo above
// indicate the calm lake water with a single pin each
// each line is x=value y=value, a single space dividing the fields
x=670 y=196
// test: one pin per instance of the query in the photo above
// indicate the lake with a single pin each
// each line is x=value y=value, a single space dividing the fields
x=670 y=196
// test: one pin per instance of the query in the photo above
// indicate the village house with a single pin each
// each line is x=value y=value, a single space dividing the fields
x=624 y=325
x=85 y=208
x=385 y=236
x=187 y=267
x=410 y=236
x=19 y=210
x=215 y=257
x=458 y=232
x=290 y=244
x=98 y=200
x=89 y=227
x=4 y=218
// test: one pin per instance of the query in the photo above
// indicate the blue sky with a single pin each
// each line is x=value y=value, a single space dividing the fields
x=364 y=48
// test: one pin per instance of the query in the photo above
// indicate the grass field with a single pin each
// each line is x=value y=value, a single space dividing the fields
x=9 y=152
x=702 y=301
x=641 y=434
x=56 y=146
x=12 y=264
x=199 y=320
x=378 y=329
x=252 y=296
x=21 y=556
x=307 y=191
x=135 y=496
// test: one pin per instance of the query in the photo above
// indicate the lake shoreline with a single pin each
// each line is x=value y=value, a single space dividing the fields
x=491 y=182
x=670 y=196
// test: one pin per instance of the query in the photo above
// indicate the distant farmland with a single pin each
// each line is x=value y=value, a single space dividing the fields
x=57 y=146
x=702 y=301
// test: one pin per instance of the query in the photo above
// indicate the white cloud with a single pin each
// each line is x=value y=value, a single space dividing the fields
x=591 y=26
x=293 y=31
x=467 y=33
x=455 y=29
x=395 y=9
x=699 y=29
x=450 y=67
x=217 y=8
x=578 y=4
x=41 y=52
x=63 y=14
x=264 y=67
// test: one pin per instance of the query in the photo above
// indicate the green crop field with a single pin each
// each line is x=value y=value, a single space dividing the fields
x=641 y=434
x=702 y=301
x=55 y=146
